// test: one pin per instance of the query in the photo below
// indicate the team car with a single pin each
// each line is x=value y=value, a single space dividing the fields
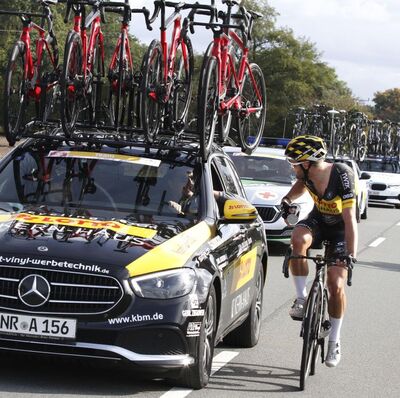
x=147 y=256
x=384 y=185
x=361 y=185
x=267 y=177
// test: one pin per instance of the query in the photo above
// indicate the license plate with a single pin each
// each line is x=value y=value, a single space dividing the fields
x=377 y=193
x=37 y=326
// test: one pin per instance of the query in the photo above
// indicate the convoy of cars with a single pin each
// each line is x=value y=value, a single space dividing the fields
x=150 y=257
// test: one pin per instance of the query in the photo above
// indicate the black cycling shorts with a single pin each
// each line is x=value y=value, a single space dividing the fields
x=332 y=235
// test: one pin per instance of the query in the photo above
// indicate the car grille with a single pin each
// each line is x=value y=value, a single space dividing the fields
x=268 y=214
x=378 y=187
x=70 y=292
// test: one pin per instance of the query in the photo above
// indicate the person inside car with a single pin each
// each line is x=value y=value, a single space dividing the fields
x=333 y=219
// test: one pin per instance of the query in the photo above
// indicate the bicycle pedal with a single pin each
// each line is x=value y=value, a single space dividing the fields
x=325 y=329
x=296 y=318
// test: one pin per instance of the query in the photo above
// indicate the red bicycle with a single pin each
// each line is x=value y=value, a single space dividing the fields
x=28 y=78
x=123 y=85
x=83 y=69
x=230 y=86
x=167 y=74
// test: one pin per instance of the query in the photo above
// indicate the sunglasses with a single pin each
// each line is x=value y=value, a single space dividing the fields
x=294 y=163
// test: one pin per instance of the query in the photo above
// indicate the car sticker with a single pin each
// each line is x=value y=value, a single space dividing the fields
x=243 y=269
x=193 y=301
x=267 y=195
x=134 y=318
x=105 y=156
x=173 y=253
x=240 y=302
x=193 y=329
x=193 y=313
x=115 y=226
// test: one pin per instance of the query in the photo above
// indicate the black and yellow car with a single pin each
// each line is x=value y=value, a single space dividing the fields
x=148 y=256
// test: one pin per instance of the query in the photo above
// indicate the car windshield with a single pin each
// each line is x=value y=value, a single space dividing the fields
x=263 y=168
x=71 y=181
x=381 y=166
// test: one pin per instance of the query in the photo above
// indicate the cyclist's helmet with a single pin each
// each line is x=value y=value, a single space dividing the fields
x=306 y=148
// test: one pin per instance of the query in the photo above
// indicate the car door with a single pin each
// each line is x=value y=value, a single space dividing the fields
x=238 y=255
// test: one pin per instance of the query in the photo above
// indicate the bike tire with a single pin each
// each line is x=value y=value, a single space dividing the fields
x=208 y=107
x=181 y=93
x=308 y=336
x=71 y=97
x=95 y=92
x=152 y=78
x=361 y=147
x=16 y=97
x=120 y=79
x=252 y=126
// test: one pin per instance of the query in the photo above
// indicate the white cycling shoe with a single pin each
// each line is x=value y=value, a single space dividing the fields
x=333 y=355
x=298 y=308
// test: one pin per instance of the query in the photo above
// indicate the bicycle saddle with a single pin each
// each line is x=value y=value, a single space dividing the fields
x=49 y=2
x=255 y=14
x=231 y=2
x=333 y=111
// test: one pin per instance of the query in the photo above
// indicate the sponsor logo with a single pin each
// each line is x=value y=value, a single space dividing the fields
x=345 y=180
x=240 y=302
x=267 y=195
x=53 y=263
x=193 y=329
x=136 y=318
x=193 y=301
x=349 y=195
x=34 y=290
x=193 y=313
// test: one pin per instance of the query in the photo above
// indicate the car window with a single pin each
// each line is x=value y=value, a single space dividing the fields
x=228 y=177
x=262 y=168
x=145 y=186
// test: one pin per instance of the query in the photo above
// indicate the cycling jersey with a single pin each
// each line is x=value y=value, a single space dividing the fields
x=339 y=194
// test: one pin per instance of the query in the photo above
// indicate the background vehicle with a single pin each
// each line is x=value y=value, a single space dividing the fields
x=267 y=177
x=384 y=185
x=361 y=180
x=98 y=264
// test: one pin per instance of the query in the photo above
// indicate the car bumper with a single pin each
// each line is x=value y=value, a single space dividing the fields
x=393 y=199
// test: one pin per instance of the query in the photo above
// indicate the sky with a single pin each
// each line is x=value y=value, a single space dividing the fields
x=358 y=38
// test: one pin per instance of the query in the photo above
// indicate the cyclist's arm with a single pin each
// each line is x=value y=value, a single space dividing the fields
x=350 y=230
x=296 y=191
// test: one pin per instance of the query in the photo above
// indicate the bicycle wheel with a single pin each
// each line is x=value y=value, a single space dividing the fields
x=72 y=85
x=251 y=124
x=96 y=74
x=120 y=77
x=48 y=80
x=308 y=334
x=208 y=107
x=150 y=101
x=16 y=97
x=181 y=93
x=361 y=150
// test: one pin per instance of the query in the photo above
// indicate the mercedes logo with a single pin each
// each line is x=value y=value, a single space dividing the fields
x=34 y=290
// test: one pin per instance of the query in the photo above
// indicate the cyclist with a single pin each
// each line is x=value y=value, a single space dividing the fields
x=333 y=219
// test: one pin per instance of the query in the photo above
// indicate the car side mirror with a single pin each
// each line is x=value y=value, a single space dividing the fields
x=365 y=176
x=238 y=210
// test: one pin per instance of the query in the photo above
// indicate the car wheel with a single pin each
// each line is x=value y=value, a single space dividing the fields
x=198 y=375
x=248 y=333
x=357 y=211
x=397 y=206
x=364 y=215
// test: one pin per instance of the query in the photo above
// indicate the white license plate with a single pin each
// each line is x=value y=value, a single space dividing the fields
x=378 y=193
x=37 y=326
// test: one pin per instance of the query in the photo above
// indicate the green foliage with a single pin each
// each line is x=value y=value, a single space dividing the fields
x=387 y=104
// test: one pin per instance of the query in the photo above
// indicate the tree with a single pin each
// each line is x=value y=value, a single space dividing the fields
x=387 y=104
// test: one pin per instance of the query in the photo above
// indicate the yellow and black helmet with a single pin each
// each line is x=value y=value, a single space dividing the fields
x=306 y=148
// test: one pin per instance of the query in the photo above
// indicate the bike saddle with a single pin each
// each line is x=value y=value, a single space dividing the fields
x=231 y=2
x=255 y=14
x=49 y=2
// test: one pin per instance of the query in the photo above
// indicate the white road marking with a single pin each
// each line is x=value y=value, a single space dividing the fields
x=219 y=361
x=377 y=242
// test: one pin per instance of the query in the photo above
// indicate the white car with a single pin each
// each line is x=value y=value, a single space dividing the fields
x=267 y=177
x=361 y=183
x=384 y=185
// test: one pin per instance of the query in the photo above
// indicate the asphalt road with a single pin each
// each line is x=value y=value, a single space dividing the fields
x=370 y=342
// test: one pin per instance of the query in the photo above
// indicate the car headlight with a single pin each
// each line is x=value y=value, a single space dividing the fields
x=165 y=284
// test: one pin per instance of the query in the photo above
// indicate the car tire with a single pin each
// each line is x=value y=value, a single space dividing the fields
x=357 y=211
x=397 y=206
x=247 y=334
x=364 y=215
x=197 y=375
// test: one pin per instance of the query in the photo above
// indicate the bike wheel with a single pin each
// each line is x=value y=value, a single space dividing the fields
x=361 y=146
x=251 y=125
x=308 y=334
x=16 y=97
x=208 y=107
x=120 y=78
x=72 y=85
x=48 y=80
x=96 y=74
x=181 y=93
x=150 y=101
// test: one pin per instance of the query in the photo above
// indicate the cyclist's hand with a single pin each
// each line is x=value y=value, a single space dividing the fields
x=349 y=260
x=285 y=208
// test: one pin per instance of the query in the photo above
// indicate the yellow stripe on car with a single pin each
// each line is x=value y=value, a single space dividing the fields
x=173 y=253
x=243 y=270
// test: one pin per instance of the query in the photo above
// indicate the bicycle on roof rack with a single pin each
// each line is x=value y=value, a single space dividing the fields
x=315 y=325
x=167 y=74
x=28 y=78
x=230 y=88
x=83 y=68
